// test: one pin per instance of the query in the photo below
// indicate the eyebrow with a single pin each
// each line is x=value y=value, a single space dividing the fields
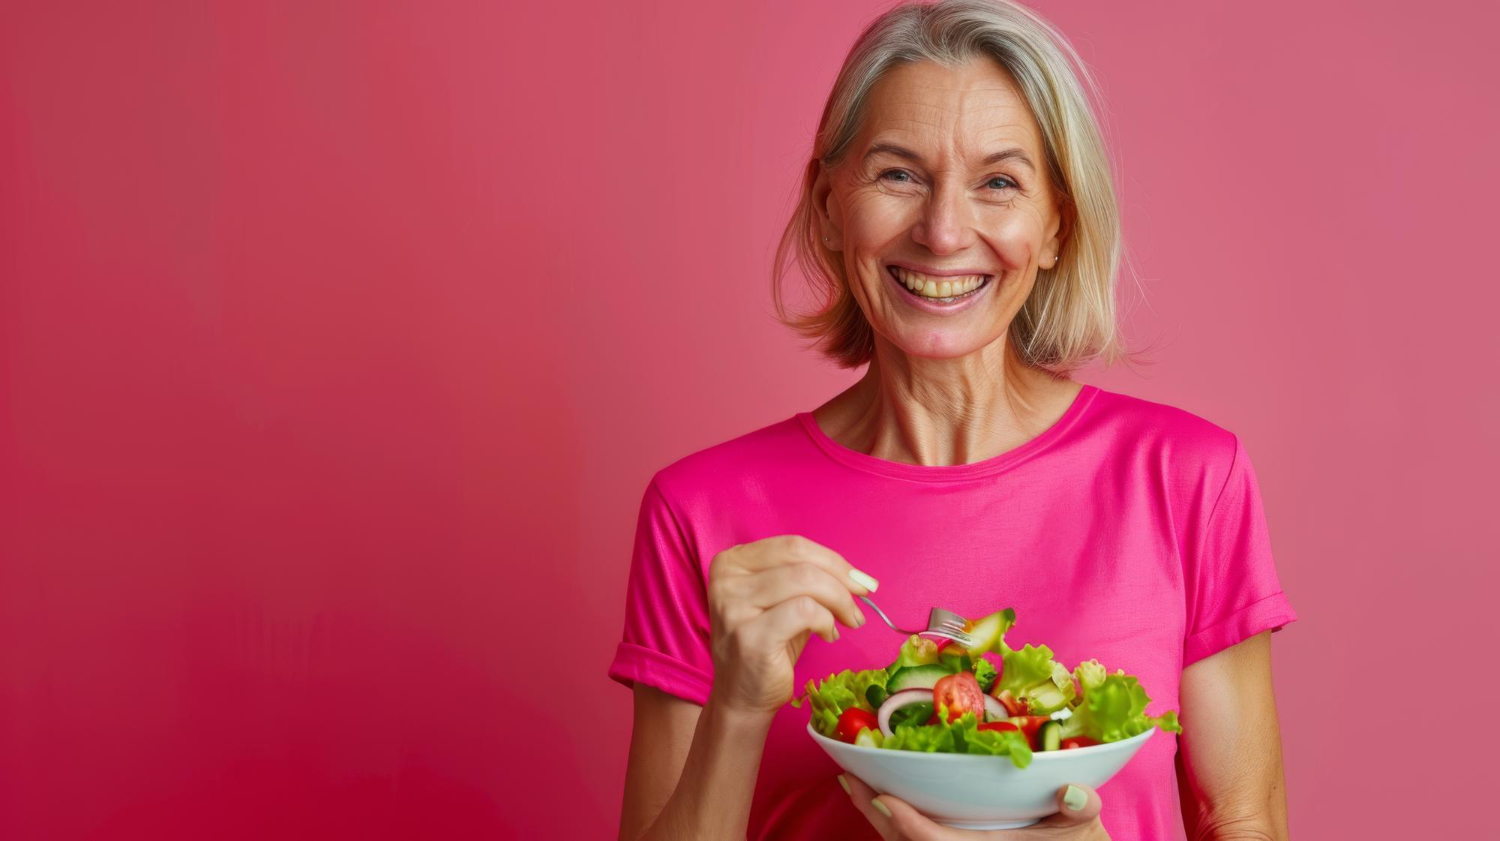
x=993 y=158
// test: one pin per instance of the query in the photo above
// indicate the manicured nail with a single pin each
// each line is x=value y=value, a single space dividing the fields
x=845 y=784
x=859 y=618
x=880 y=807
x=863 y=579
x=1075 y=798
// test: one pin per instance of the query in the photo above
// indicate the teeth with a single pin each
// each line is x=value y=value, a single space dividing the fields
x=932 y=287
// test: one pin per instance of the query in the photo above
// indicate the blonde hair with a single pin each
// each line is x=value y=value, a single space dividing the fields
x=1069 y=318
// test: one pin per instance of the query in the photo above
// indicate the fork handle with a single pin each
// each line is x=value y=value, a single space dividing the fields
x=886 y=619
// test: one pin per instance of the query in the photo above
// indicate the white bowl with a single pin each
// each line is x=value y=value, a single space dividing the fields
x=981 y=792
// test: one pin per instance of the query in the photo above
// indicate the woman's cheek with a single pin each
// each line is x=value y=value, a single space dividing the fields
x=1014 y=237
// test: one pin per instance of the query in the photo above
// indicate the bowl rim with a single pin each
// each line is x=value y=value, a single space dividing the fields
x=1040 y=755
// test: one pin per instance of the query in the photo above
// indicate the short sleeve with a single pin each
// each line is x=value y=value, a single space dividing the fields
x=1233 y=590
x=665 y=643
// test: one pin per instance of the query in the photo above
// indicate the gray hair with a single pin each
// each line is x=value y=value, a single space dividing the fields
x=1069 y=318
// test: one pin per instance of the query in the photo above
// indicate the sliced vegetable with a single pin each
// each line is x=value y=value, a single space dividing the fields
x=901 y=700
x=1049 y=736
x=959 y=694
x=988 y=634
x=852 y=721
x=916 y=651
x=917 y=677
x=871 y=738
x=1079 y=742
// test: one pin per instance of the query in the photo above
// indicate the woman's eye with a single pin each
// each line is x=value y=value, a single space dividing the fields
x=1003 y=180
x=895 y=172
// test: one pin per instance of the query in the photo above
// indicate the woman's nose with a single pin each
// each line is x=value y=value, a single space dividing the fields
x=945 y=226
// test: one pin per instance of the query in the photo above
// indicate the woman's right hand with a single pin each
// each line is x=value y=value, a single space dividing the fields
x=764 y=599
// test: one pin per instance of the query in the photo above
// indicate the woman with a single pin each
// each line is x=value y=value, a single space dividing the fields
x=959 y=209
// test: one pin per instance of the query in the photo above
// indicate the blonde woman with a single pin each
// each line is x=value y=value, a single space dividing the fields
x=959 y=216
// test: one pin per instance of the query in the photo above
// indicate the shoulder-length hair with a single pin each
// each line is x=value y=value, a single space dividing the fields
x=1069 y=319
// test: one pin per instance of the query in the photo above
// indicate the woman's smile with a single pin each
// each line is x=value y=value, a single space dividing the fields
x=938 y=294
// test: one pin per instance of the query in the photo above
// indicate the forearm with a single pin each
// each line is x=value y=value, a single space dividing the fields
x=712 y=797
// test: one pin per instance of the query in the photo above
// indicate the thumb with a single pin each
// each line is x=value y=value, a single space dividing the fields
x=1076 y=804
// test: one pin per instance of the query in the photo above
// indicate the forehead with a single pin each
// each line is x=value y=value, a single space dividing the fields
x=966 y=108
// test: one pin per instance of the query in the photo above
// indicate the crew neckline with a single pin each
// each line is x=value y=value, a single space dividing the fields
x=951 y=472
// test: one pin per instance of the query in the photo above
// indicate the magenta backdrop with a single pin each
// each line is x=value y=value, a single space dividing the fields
x=340 y=339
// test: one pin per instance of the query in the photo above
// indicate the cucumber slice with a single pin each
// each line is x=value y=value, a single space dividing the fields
x=1049 y=735
x=917 y=677
x=876 y=695
x=869 y=738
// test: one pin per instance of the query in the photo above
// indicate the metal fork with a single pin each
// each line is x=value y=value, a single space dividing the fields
x=940 y=623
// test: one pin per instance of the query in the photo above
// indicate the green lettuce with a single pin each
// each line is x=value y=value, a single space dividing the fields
x=984 y=672
x=837 y=693
x=1113 y=707
x=961 y=736
x=1031 y=674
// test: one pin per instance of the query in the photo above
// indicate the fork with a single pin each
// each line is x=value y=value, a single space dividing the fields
x=940 y=623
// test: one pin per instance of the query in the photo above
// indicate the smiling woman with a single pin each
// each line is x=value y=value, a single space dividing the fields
x=958 y=221
x=990 y=131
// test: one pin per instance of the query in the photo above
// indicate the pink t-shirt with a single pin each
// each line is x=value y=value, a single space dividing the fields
x=1129 y=531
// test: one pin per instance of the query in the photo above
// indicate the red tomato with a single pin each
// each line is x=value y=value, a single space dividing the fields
x=854 y=720
x=998 y=725
x=1078 y=742
x=961 y=694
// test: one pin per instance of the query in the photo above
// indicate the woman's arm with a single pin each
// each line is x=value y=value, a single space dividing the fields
x=691 y=771
x=1229 y=759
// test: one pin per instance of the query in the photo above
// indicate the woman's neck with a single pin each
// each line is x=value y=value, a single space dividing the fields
x=935 y=412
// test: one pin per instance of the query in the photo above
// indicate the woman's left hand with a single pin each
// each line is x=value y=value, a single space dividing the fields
x=900 y=822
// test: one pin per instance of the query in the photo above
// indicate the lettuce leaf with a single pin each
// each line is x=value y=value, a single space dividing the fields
x=836 y=693
x=1113 y=707
x=985 y=673
x=962 y=736
x=1026 y=668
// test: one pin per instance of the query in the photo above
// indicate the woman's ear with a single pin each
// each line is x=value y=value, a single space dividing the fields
x=825 y=205
x=1054 y=245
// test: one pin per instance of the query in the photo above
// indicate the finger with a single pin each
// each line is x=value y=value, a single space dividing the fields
x=1077 y=804
x=894 y=818
x=794 y=548
x=773 y=586
x=863 y=798
x=787 y=620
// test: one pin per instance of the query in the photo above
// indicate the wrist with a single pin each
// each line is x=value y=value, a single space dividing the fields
x=727 y=718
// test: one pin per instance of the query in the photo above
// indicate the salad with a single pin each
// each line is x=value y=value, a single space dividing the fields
x=987 y=699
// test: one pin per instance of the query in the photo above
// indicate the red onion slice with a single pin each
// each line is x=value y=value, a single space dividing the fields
x=896 y=701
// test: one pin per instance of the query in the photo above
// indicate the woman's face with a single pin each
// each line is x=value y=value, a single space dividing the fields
x=946 y=179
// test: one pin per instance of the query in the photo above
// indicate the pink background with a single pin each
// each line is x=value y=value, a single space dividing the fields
x=340 y=339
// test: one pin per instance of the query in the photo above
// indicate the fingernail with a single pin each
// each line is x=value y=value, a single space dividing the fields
x=1075 y=798
x=859 y=618
x=880 y=807
x=863 y=579
x=845 y=784
x=835 y=634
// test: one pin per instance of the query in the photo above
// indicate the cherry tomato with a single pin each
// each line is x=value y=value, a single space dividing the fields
x=998 y=725
x=1078 y=742
x=961 y=694
x=854 y=720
